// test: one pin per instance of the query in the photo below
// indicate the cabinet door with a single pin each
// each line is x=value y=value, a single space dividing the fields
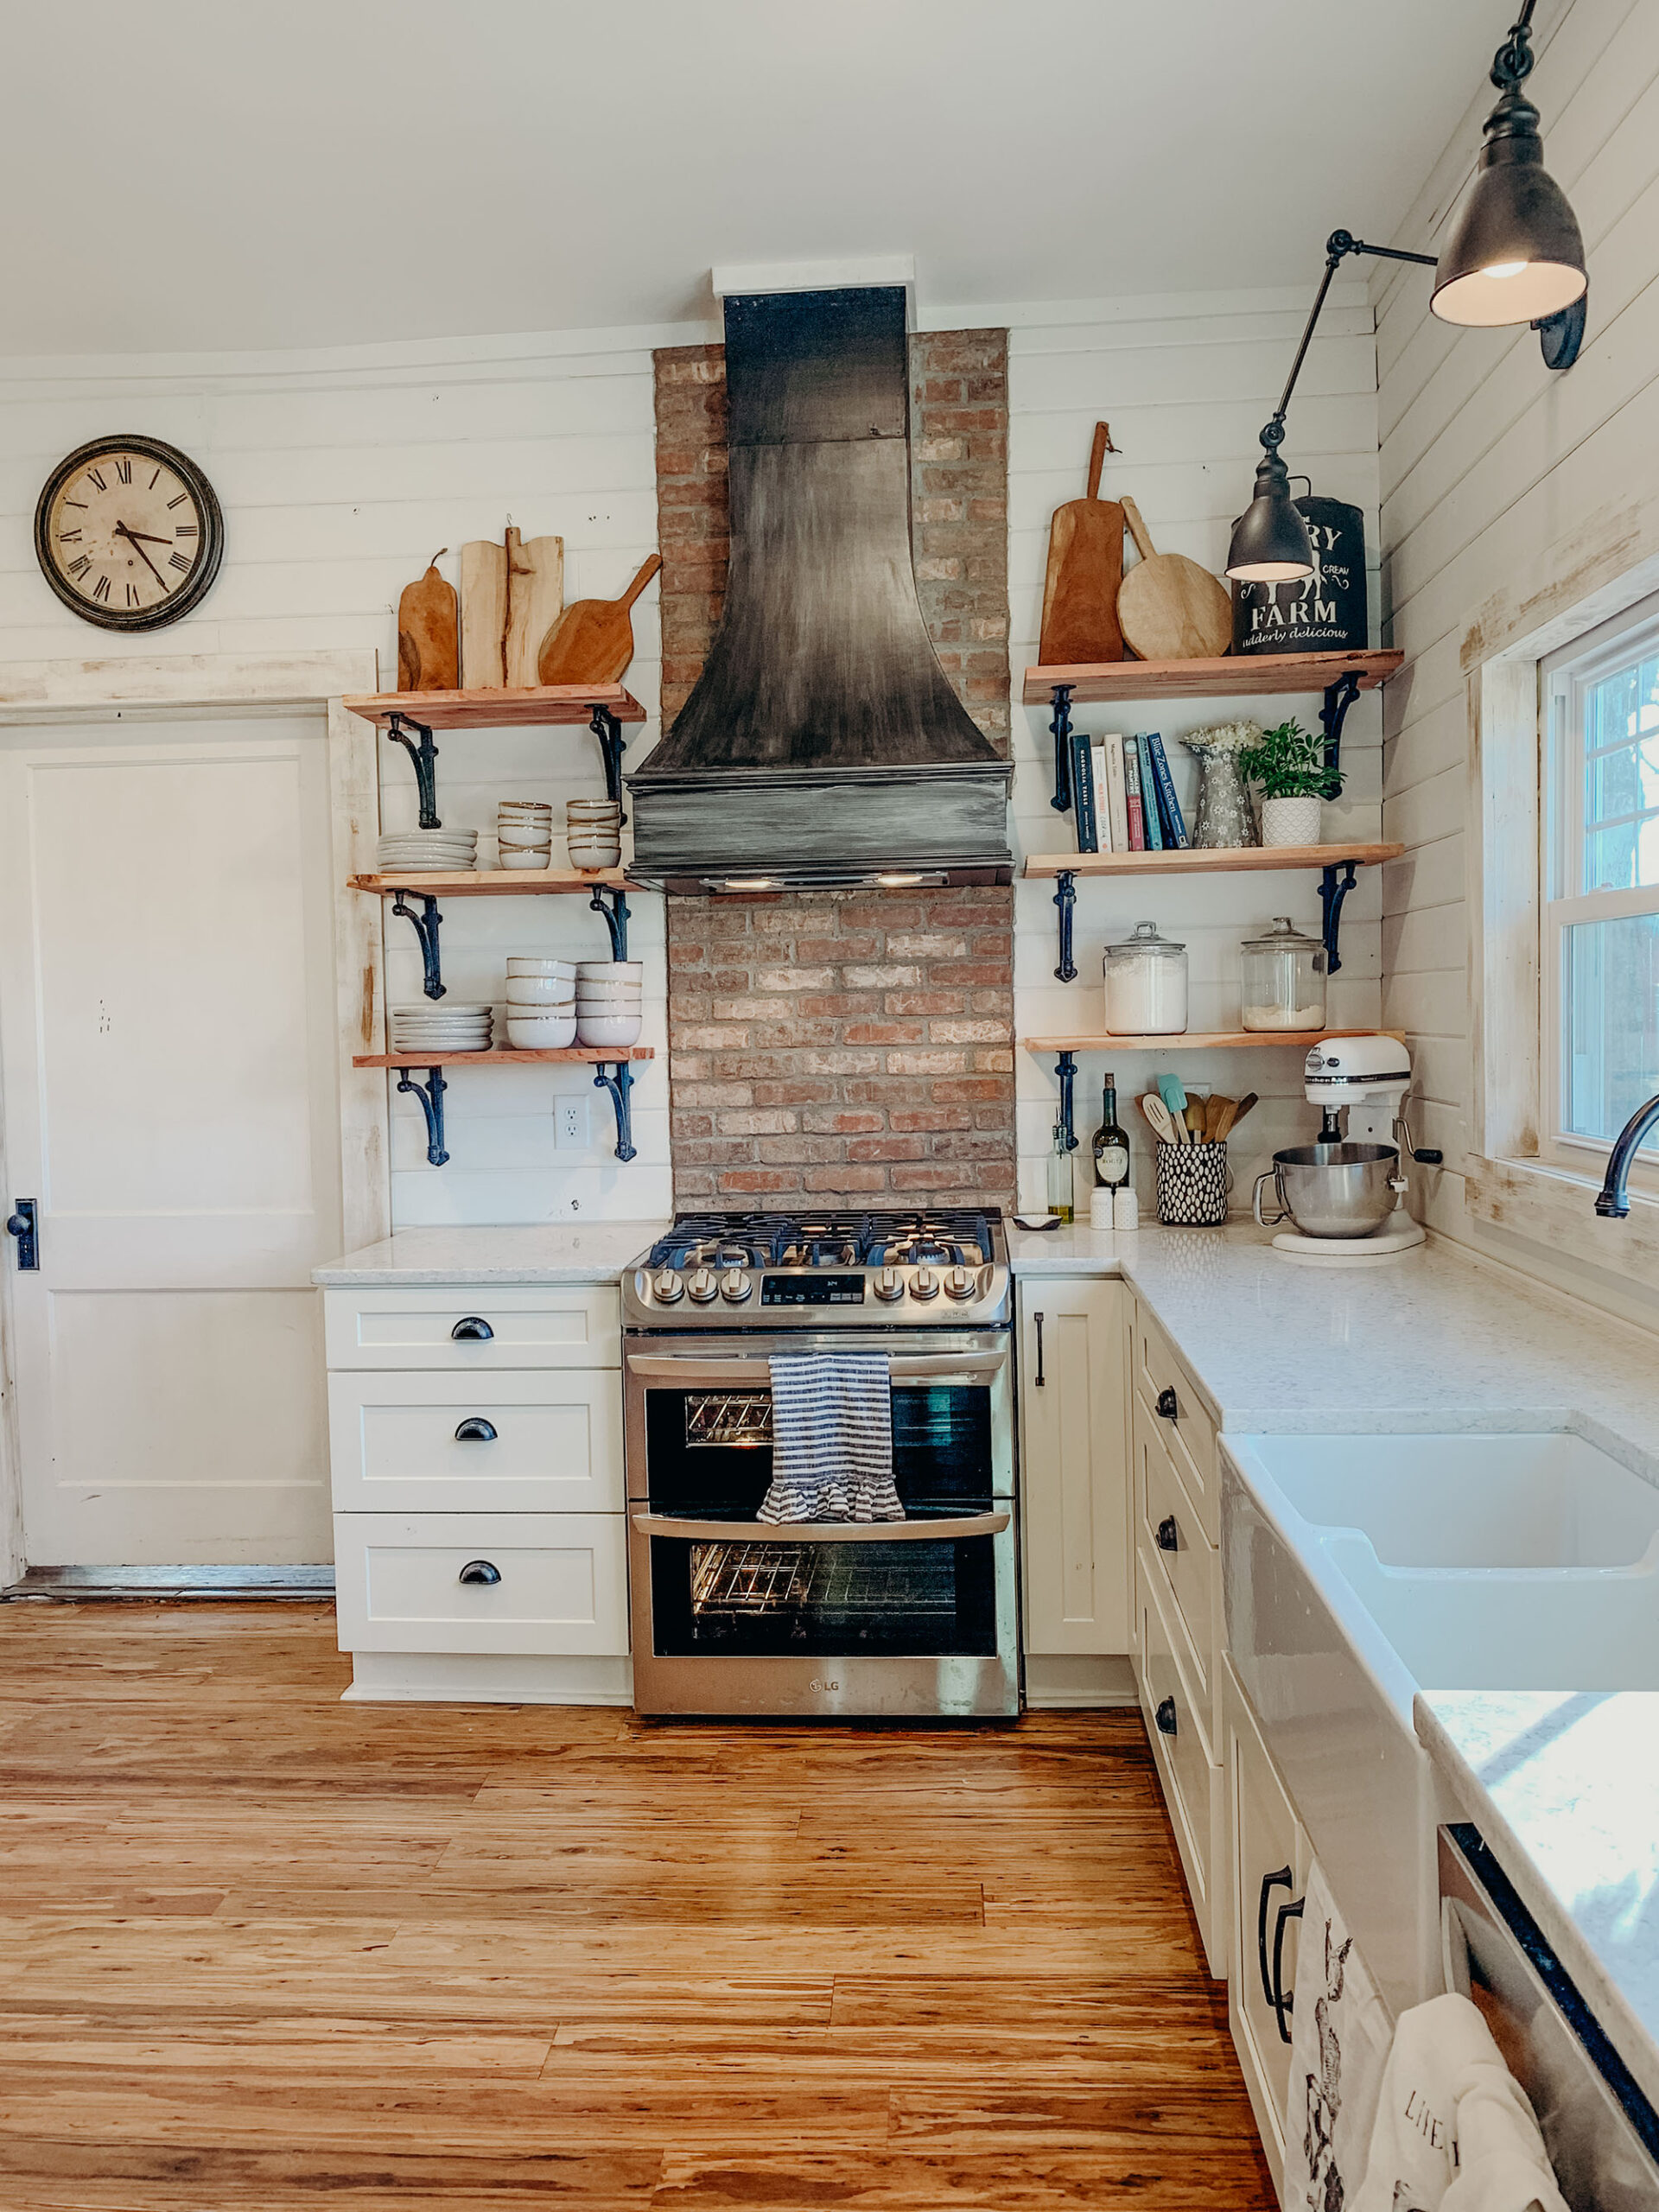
x=1269 y=1870
x=1074 y=1465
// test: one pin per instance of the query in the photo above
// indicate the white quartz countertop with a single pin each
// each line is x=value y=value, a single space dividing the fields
x=597 y=1252
x=1565 y=1789
x=1429 y=1341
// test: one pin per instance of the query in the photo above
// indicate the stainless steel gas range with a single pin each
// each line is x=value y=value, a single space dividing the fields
x=733 y=1616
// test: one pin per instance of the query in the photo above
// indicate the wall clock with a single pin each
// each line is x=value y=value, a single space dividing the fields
x=129 y=533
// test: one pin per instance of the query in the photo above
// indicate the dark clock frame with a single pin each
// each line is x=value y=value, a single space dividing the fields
x=201 y=580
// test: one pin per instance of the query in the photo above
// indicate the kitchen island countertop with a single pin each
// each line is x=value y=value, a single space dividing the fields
x=596 y=1251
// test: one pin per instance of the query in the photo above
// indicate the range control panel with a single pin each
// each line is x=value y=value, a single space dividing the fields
x=812 y=1290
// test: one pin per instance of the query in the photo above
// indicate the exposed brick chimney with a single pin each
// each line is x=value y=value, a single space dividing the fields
x=851 y=1044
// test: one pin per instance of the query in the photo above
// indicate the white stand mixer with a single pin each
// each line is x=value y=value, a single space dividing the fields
x=1331 y=1190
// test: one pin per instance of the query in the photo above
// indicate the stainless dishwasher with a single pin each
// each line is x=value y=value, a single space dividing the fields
x=1600 y=2131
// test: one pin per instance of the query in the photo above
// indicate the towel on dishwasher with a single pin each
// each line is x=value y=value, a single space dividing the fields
x=1339 y=2041
x=1454 y=2132
x=832 y=1438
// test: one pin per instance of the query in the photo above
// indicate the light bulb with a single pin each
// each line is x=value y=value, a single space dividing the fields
x=1503 y=269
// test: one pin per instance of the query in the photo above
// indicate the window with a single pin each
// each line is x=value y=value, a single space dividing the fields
x=1600 y=949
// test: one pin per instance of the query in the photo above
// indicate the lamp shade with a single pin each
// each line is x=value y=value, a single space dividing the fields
x=1271 y=540
x=1514 y=252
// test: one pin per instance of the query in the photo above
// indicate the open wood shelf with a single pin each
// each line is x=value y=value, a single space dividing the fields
x=490 y=882
x=542 y=706
x=1194 y=1040
x=1225 y=678
x=499 y=1054
x=1206 y=861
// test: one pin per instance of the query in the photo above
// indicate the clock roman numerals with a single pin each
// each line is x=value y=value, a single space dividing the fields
x=123 y=469
x=179 y=561
x=101 y=588
x=79 y=565
x=95 y=481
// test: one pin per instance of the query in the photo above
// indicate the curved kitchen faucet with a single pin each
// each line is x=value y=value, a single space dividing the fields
x=1610 y=1201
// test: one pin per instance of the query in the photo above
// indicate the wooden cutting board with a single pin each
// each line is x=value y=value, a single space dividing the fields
x=428 y=656
x=535 y=597
x=1085 y=565
x=483 y=615
x=1169 y=607
x=592 y=642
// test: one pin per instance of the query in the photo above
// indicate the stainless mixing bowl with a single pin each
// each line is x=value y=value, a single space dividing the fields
x=1331 y=1190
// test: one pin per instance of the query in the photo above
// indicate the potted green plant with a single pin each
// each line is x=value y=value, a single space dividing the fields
x=1290 y=766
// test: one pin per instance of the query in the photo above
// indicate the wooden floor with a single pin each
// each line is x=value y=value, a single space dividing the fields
x=262 y=1949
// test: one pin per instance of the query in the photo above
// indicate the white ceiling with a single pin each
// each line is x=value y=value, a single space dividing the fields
x=218 y=174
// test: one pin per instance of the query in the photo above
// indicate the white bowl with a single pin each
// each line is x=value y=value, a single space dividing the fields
x=508 y=807
x=540 y=990
x=610 y=971
x=593 y=1029
x=524 y=963
x=541 y=1033
x=513 y=857
x=584 y=989
x=592 y=810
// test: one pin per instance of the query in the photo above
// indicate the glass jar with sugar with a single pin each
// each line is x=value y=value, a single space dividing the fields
x=1146 y=985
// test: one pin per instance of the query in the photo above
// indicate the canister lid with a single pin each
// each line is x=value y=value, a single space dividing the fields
x=1143 y=937
x=1283 y=937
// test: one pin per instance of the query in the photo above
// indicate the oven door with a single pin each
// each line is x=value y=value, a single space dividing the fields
x=731 y=1615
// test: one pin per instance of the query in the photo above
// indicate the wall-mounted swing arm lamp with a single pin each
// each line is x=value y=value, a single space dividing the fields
x=1513 y=253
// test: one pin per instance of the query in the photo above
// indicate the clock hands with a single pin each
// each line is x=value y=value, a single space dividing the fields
x=133 y=537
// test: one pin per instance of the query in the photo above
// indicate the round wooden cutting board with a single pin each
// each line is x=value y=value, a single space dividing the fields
x=1168 y=607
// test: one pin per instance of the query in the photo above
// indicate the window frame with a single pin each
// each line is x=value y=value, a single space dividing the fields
x=1565 y=676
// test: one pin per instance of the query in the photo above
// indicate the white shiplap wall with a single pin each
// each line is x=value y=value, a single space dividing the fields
x=340 y=473
x=1186 y=383
x=1488 y=461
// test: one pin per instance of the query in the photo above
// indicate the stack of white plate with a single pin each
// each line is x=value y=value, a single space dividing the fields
x=541 y=1005
x=435 y=1026
x=608 y=1008
x=427 y=852
x=524 y=832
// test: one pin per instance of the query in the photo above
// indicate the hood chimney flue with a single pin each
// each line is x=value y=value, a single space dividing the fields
x=822 y=744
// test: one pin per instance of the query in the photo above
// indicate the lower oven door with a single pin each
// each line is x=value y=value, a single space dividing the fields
x=915 y=1618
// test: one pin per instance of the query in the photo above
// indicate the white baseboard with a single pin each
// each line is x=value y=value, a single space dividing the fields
x=1059 y=1682
x=486 y=1678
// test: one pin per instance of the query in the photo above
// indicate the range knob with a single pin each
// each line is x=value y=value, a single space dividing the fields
x=704 y=1287
x=889 y=1286
x=924 y=1283
x=667 y=1288
x=960 y=1283
x=735 y=1286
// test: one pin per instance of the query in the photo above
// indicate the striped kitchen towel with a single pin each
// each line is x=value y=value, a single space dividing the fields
x=832 y=1438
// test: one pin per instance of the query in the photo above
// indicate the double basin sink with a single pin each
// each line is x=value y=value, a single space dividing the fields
x=1358 y=1569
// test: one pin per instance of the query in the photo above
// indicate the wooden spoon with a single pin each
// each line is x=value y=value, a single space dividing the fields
x=1158 y=1115
x=1244 y=1106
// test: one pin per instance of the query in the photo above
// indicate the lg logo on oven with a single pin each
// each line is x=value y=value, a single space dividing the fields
x=823 y=1686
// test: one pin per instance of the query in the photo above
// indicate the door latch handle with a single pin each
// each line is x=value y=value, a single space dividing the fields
x=1042 y=1381
x=475 y=1430
x=21 y=1225
x=471 y=1325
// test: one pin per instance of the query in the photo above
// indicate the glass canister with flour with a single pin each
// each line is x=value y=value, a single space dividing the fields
x=1283 y=979
x=1146 y=985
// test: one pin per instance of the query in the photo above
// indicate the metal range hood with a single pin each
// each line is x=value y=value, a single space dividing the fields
x=823 y=744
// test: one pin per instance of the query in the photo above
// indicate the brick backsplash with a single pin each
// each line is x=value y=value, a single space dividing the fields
x=855 y=1046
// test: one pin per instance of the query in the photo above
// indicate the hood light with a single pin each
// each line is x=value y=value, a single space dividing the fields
x=900 y=882
x=750 y=883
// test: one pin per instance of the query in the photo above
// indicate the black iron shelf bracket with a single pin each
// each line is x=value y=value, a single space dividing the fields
x=424 y=754
x=1066 y=1068
x=616 y=916
x=1332 y=892
x=430 y=1094
x=1061 y=728
x=617 y=1078
x=1338 y=697
x=606 y=728
x=426 y=926
x=1065 y=898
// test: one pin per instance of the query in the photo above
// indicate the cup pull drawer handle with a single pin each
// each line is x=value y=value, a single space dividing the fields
x=475 y=1430
x=481 y=1570
x=472 y=1326
x=1166 y=1406
x=1165 y=1716
x=1169 y=1536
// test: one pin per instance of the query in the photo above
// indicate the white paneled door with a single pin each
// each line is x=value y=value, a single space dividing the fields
x=167 y=1049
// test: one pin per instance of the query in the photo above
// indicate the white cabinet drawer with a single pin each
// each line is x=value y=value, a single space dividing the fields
x=1269 y=1872
x=571 y=1325
x=400 y=1443
x=1182 y=1559
x=1166 y=1390
x=1191 y=1783
x=561 y=1582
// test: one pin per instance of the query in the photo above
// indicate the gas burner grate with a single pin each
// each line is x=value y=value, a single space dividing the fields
x=938 y=1236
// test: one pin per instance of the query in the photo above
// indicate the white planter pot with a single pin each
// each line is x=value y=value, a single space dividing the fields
x=1290 y=821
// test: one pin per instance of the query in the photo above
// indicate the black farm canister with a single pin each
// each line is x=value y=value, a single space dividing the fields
x=1325 y=612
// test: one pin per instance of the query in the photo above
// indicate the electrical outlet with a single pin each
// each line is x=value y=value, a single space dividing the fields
x=573 y=1130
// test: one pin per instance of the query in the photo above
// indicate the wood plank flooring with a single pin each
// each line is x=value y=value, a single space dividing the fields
x=259 y=1950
